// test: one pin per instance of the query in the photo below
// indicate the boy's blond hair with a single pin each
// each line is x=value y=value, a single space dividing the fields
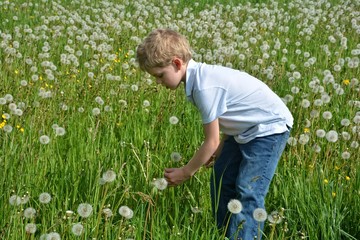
x=160 y=47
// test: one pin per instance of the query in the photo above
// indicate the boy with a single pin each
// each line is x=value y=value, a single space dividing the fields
x=254 y=121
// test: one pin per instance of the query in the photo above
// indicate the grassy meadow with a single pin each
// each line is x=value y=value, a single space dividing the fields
x=85 y=135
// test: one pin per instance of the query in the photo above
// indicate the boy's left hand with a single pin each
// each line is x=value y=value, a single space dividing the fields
x=175 y=176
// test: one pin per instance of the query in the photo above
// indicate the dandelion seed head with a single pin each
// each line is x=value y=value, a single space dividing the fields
x=354 y=144
x=146 y=103
x=126 y=212
x=320 y=133
x=2 y=101
x=8 y=128
x=175 y=156
x=8 y=97
x=85 y=210
x=305 y=103
x=327 y=115
x=160 y=183
x=345 y=155
x=30 y=228
x=356 y=119
x=109 y=176
x=332 y=136
x=60 y=131
x=304 y=139
x=44 y=198
x=53 y=236
x=317 y=148
x=29 y=212
x=346 y=136
x=15 y=200
x=260 y=214
x=314 y=113
x=274 y=217
x=77 y=229
x=107 y=212
x=44 y=139
x=134 y=87
x=99 y=100
x=173 y=120
x=95 y=111
x=234 y=206
x=292 y=141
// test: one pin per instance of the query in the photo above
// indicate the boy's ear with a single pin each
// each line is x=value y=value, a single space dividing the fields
x=178 y=63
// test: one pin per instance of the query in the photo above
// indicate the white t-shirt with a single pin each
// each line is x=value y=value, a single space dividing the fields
x=245 y=106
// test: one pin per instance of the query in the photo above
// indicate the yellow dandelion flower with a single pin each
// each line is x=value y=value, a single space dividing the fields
x=347 y=178
x=18 y=126
x=333 y=194
x=326 y=181
x=346 y=81
x=3 y=116
x=16 y=71
x=337 y=168
x=306 y=130
x=41 y=78
x=22 y=129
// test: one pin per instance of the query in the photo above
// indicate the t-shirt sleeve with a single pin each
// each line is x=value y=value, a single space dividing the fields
x=211 y=103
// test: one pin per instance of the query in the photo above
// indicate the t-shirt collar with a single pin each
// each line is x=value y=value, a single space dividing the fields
x=190 y=77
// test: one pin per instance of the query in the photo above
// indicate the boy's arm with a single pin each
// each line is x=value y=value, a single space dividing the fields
x=176 y=176
x=216 y=154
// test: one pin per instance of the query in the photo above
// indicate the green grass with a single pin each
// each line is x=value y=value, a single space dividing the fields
x=317 y=192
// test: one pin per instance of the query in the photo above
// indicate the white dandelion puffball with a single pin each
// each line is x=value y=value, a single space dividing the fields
x=327 y=115
x=107 y=212
x=332 y=136
x=304 y=139
x=146 y=103
x=29 y=212
x=59 y=131
x=292 y=141
x=15 y=200
x=24 y=199
x=95 y=111
x=274 y=217
x=234 y=206
x=109 y=176
x=44 y=139
x=85 y=210
x=45 y=197
x=160 y=183
x=77 y=229
x=320 y=133
x=173 y=120
x=260 y=214
x=53 y=236
x=175 y=156
x=30 y=228
x=345 y=155
x=126 y=212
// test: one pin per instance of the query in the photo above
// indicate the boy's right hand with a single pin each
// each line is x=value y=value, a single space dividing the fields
x=210 y=162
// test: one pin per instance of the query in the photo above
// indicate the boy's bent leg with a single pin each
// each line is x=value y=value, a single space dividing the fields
x=223 y=181
x=256 y=170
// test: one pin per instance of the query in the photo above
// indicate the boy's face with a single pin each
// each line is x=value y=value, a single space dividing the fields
x=171 y=75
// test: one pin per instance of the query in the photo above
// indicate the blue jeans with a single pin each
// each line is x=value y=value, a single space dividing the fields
x=244 y=172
